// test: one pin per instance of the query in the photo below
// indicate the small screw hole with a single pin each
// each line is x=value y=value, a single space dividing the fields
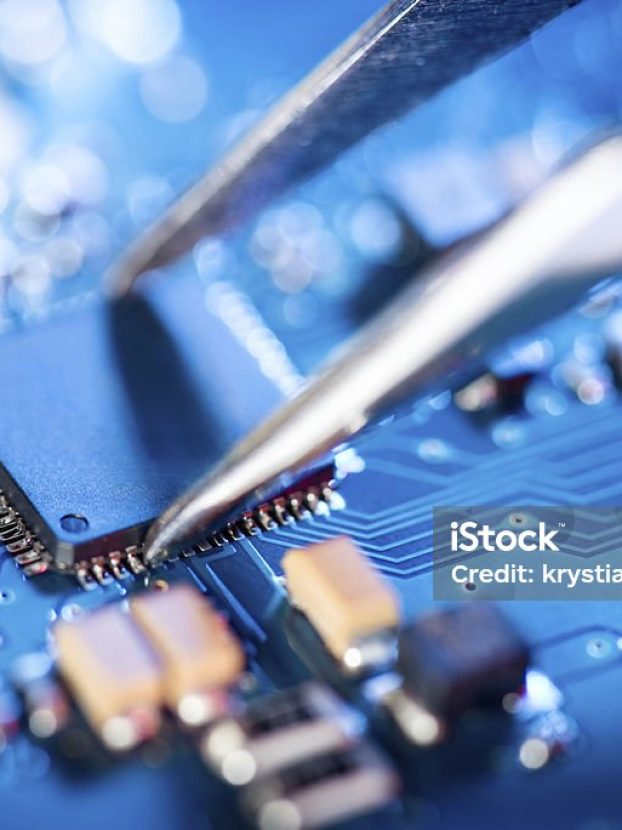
x=74 y=523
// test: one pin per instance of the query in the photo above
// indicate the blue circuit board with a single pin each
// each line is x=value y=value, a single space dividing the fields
x=102 y=128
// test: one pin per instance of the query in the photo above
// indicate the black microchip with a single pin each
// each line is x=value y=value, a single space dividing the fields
x=111 y=411
x=456 y=659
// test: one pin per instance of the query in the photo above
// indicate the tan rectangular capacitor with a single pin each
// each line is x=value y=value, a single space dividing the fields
x=193 y=640
x=339 y=591
x=108 y=665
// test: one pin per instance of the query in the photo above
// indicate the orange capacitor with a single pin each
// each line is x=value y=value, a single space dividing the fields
x=344 y=598
x=113 y=673
x=197 y=648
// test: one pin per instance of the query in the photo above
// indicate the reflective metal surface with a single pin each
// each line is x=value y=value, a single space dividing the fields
x=402 y=57
x=530 y=266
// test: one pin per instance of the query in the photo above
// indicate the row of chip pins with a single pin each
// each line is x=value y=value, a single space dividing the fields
x=26 y=549
x=281 y=511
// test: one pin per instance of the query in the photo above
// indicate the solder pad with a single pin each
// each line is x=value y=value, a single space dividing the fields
x=111 y=410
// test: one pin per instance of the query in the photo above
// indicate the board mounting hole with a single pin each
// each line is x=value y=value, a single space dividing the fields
x=74 y=523
x=6 y=596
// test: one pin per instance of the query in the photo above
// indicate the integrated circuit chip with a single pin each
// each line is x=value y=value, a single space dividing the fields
x=110 y=411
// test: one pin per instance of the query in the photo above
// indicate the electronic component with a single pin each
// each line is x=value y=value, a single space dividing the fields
x=278 y=730
x=200 y=655
x=458 y=658
x=113 y=409
x=114 y=675
x=322 y=790
x=451 y=661
x=353 y=610
x=172 y=649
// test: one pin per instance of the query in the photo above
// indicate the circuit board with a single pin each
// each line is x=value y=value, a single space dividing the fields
x=78 y=181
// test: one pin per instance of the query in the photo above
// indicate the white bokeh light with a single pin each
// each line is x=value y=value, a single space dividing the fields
x=138 y=31
x=174 y=90
x=31 y=31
